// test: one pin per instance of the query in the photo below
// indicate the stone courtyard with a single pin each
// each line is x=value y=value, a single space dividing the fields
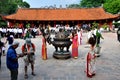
x=107 y=65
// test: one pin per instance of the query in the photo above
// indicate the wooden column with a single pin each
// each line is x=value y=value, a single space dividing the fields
x=79 y=25
x=100 y=24
x=54 y=23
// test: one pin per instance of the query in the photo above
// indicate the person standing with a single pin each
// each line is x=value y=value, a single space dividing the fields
x=90 y=58
x=34 y=32
x=98 y=36
x=75 y=44
x=118 y=34
x=10 y=40
x=79 y=37
x=1 y=45
x=20 y=31
x=28 y=49
x=28 y=34
x=44 y=49
x=12 y=60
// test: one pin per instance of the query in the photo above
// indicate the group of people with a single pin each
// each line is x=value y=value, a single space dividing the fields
x=16 y=32
x=76 y=37
x=28 y=53
x=94 y=41
x=19 y=32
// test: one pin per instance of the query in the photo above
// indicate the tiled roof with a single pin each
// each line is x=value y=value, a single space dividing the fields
x=60 y=14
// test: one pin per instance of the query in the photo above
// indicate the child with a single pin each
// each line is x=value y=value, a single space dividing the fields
x=90 y=58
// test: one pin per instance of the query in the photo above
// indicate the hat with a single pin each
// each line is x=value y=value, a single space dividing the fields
x=15 y=43
x=28 y=41
x=11 y=36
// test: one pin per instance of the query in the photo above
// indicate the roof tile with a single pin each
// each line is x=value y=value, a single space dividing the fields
x=60 y=14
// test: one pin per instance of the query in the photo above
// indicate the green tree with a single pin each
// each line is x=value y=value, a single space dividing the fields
x=74 y=6
x=91 y=3
x=10 y=6
x=112 y=6
x=21 y=3
x=2 y=22
x=95 y=25
x=25 y=4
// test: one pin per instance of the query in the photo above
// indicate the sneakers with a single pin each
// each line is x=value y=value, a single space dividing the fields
x=26 y=76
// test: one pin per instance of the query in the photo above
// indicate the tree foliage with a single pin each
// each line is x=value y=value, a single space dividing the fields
x=10 y=6
x=73 y=6
x=112 y=6
x=2 y=22
x=91 y=3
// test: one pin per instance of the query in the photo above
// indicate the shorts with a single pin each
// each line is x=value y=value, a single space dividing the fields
x=28 y=61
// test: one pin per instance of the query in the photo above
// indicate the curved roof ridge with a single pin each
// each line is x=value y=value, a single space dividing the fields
x=57 y=8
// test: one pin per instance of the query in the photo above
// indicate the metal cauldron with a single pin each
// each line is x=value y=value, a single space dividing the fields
x=60 y=42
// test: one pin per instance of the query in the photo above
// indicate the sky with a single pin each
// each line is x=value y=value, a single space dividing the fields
x=43 y=3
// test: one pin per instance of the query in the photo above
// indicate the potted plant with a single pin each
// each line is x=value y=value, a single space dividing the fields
x=94 y=25
x=105 y=27
x=28 y=25
x=98 y=47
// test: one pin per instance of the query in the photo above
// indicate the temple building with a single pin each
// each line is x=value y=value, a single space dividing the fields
x=62 y=16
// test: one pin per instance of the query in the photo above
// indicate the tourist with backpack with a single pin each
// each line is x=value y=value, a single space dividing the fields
x=28 y=48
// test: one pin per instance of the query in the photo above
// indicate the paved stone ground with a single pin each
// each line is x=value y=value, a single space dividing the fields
x=108 y=66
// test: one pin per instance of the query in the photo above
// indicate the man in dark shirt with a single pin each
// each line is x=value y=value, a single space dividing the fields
x=12 y=60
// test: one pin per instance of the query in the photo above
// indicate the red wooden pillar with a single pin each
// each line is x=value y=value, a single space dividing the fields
x=54 y=23
x=100 y=24
x=32 y=25
x=79 y=25
x=66 y=24
x=61 y=23
x=10 y=24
